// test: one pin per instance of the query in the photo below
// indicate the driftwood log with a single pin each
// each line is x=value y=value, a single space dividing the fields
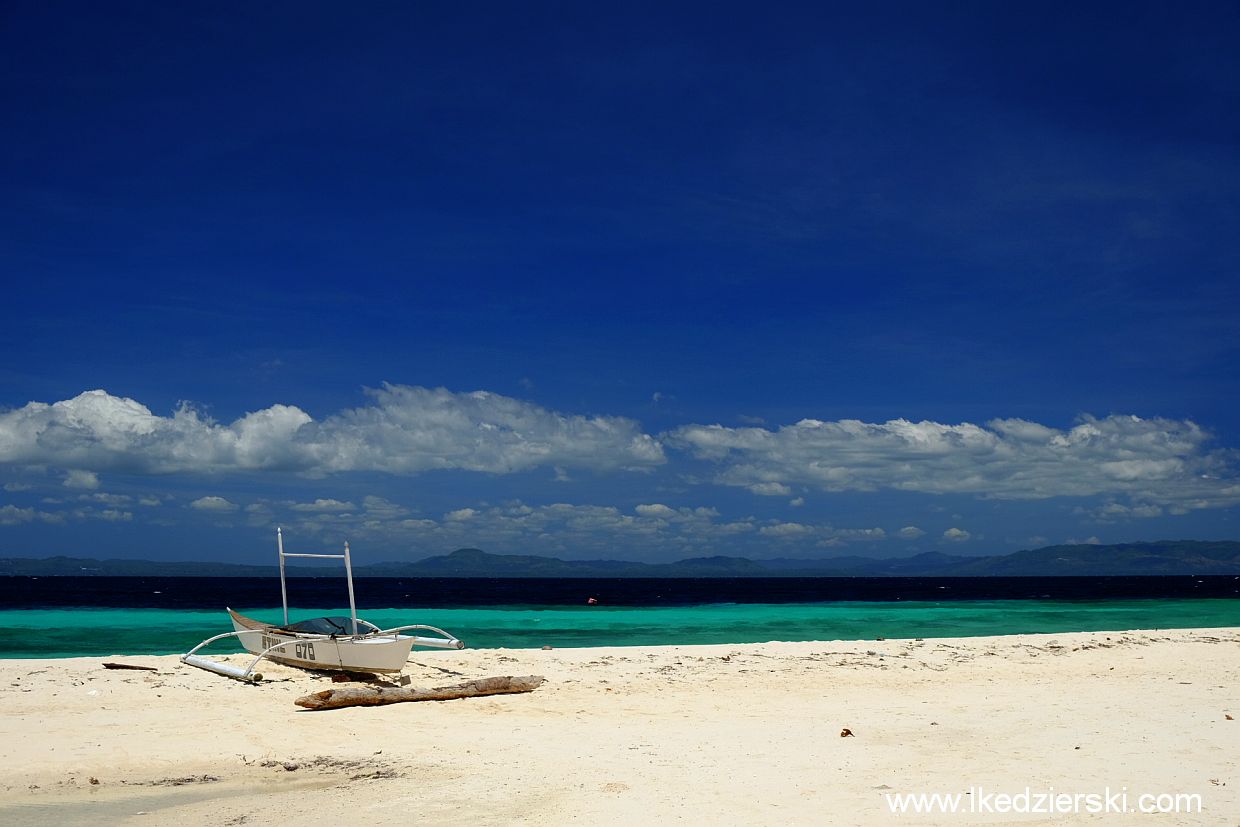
x=379 y=695
x=107 y=665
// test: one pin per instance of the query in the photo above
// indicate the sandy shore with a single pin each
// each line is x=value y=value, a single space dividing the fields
x=739 y=734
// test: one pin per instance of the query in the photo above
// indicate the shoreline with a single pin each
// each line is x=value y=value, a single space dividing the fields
x=1208 y=631
x=716 y=733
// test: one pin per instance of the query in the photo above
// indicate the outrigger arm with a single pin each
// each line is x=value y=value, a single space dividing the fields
x=250 y=676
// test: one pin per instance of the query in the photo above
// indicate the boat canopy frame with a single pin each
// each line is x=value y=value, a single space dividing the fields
x=348 y=576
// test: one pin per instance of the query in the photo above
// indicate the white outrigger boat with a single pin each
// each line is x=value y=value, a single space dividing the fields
x=330 y=643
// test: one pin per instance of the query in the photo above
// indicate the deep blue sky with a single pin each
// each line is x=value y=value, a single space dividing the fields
x=954 y=216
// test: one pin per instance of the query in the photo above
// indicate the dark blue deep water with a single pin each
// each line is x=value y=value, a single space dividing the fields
x=383 y=592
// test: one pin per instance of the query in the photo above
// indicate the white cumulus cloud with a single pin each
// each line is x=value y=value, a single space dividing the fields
x=379 y=508
x=12 y=515
x=770 y=489
x=78 y=478
x=1113 y=511
x=786 y=530
x=1152 y=461
x=107 y=499
x=825 y=536
x=405 y=430
x=216 y=504
x=325 y=506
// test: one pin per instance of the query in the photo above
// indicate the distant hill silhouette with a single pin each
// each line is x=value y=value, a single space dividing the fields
x=1161 y=557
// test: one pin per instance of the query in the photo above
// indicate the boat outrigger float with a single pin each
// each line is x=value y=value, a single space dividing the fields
x=330 y=643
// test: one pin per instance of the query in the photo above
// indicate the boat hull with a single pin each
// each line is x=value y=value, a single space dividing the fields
x=371 y=653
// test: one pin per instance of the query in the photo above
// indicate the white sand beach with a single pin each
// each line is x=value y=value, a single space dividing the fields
x=733 y=734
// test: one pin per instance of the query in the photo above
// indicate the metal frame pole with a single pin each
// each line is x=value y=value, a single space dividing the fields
x=348 y=570
x=283 y=589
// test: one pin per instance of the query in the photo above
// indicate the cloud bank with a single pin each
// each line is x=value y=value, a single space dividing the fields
x=1156 y=461
x=1158 y=466
x=406 y=430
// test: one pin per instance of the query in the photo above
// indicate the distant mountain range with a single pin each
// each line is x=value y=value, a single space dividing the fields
x=1161 y=557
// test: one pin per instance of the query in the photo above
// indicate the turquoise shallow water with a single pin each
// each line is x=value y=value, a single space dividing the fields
x=83 y=632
